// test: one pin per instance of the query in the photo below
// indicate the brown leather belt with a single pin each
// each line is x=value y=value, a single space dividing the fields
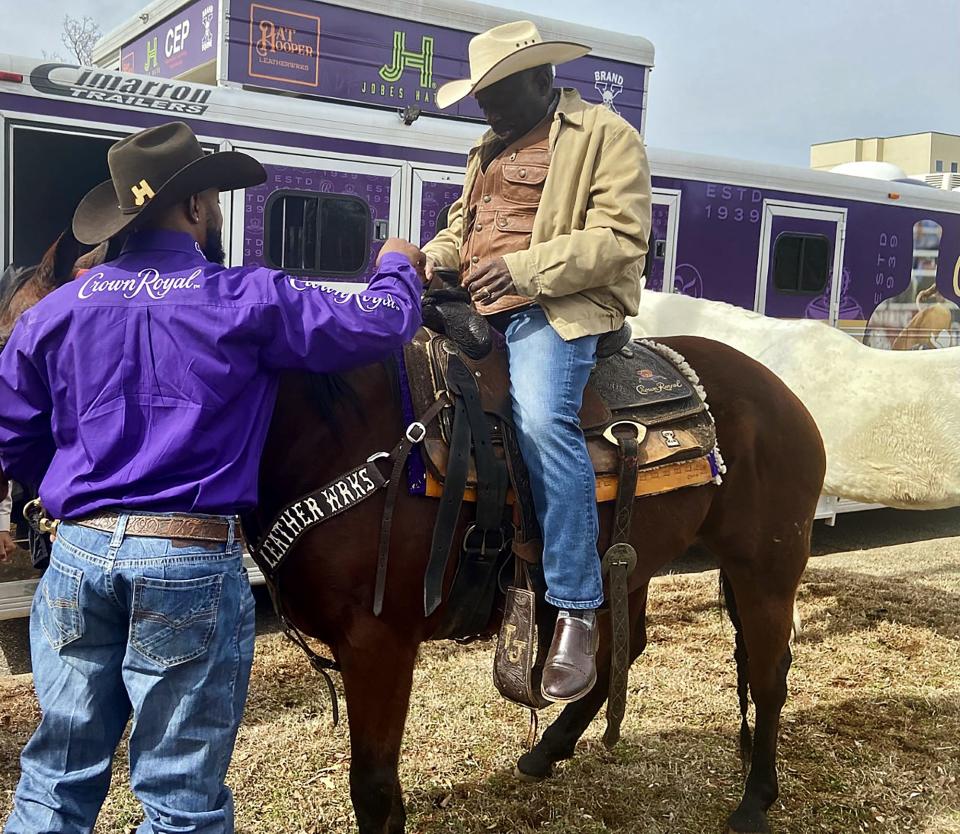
x=162 y=526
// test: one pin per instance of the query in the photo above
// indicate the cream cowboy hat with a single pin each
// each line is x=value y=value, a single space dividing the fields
x=506 y=50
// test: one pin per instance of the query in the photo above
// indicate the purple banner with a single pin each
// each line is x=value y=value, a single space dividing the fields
x=352 y=55
x=177 y=45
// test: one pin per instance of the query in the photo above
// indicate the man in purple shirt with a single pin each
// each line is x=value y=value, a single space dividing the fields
x=138 y=398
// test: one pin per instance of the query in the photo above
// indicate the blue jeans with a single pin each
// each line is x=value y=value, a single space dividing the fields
x=123 y=626
x=547 y=378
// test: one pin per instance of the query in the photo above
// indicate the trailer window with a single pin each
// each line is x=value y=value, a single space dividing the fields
x=801 y=263
x=317 y=234
x=926 y=251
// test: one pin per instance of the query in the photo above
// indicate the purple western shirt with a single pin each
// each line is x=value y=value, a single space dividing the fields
x=148 y=383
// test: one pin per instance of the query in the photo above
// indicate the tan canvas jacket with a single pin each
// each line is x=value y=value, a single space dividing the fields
x=590 y=235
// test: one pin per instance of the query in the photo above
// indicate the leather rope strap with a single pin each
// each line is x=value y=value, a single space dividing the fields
x=400 y=456
x=323 y=666
x=619 y=562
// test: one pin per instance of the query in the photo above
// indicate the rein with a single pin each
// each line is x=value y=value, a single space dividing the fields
x=334 y=498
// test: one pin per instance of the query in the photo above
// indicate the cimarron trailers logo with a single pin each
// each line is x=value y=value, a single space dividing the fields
x=108 y=87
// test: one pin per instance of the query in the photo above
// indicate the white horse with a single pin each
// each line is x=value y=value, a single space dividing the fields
x=890 y=420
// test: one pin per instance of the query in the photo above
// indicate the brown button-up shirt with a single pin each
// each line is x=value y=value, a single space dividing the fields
x=503 y=206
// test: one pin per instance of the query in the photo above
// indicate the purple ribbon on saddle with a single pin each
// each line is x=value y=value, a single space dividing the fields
x=416 y=471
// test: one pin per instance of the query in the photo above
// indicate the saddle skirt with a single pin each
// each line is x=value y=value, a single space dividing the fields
x=641 y=383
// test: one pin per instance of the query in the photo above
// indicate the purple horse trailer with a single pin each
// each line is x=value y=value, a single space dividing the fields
x=336 y=98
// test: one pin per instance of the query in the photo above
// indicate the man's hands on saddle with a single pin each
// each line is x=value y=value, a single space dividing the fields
x=490 y=281
x=7 y=545
x=411 y=252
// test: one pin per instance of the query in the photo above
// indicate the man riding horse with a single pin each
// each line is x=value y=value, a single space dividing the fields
x=138 y=398
x=549 y=236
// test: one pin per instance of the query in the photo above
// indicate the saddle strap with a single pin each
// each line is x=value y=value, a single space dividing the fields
x=469 y=423
x=414 y=435
x=619 y=562
x=491 y=472
x=454 y=485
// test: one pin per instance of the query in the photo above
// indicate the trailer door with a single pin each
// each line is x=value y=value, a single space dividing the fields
x=660 y=266
x=319 y=217
x=434 y=191
x=801 y=261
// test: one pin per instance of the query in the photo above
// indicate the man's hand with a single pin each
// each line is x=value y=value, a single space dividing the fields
x=7 y=545
x=411 y=252
x=490 y=281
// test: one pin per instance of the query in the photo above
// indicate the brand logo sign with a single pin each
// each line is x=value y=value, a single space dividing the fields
x=284 y=46
x=114 y=88
x=609 y=85
x=206 y=18
x=391 y=75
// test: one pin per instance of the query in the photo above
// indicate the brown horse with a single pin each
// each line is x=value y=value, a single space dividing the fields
x=22 y=287
x=757 y=524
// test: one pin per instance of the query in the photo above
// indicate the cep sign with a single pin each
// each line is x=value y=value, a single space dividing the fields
x=176 y=38
x=177 y=45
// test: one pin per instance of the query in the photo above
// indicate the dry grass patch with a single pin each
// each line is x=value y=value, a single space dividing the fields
x=870 y=741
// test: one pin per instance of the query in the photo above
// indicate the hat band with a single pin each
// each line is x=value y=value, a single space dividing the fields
x=142 y=194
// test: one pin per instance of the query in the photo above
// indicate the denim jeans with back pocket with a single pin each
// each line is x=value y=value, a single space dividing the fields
x=155 y=629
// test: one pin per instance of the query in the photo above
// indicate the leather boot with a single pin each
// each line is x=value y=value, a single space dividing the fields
x=570 y=670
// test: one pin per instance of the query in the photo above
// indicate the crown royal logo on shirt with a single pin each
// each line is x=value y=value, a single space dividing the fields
x=148 y=281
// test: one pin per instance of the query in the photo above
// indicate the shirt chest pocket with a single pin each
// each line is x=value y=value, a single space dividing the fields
x=522 y=182
x=515 y=222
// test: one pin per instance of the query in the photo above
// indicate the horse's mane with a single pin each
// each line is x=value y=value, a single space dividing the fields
x=445 y=311
x=328 y=392
x=12 y=281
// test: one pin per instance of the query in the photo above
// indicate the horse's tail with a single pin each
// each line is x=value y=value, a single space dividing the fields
x=743 y=668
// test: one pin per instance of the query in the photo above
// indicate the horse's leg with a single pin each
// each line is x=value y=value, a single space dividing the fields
x=764 y=611
x=377 y=669
x=560 y=739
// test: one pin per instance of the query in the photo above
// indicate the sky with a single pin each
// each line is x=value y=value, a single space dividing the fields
x=752 y=79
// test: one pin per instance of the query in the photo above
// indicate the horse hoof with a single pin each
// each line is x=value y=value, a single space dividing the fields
x=529 y=778
x=754 y=826
x=749 y=820
x=534 y=766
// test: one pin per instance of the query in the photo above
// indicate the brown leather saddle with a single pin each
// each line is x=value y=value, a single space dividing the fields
x=633 y=383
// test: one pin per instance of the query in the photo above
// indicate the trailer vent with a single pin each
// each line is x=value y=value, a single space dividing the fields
x=948 y=182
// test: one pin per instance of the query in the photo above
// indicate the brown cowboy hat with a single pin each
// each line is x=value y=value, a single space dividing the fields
x=154 y=169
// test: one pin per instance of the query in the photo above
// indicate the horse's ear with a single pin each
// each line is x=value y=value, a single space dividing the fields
x=95 y=257
x=66 y=251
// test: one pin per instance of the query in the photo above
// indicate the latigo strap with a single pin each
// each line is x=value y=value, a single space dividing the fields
x=619 y=562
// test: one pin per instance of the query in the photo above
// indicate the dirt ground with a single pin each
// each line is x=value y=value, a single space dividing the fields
x=870 y=739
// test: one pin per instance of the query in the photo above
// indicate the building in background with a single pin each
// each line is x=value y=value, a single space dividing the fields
x=931 y=157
